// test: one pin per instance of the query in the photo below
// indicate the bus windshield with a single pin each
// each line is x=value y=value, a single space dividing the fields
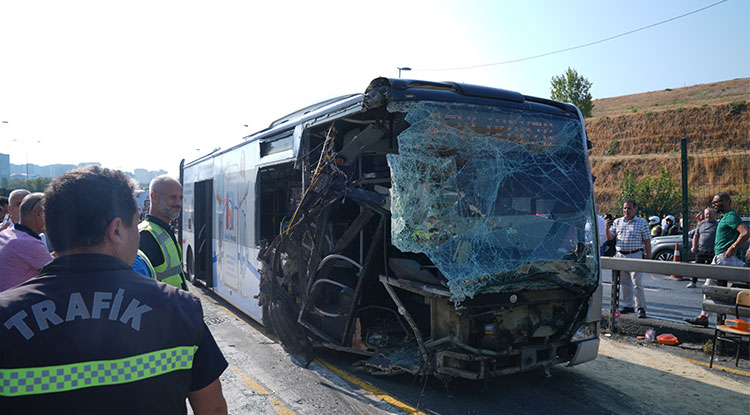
x=499 y=199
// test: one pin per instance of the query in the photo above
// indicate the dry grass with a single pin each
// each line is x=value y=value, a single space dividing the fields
x=674 y=98
x=708 y=174
x=712 y=128
x=711 y=117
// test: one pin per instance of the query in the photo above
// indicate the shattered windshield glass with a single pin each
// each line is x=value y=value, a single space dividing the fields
x=499 y=199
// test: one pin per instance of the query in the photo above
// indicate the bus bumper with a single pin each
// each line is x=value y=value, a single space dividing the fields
x=585 y=352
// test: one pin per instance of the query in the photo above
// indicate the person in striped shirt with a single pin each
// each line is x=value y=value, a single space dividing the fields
x=633 y=241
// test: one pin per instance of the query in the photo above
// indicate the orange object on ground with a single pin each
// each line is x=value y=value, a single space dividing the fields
x=668 y=339
x=676 y=258
x=737 y=323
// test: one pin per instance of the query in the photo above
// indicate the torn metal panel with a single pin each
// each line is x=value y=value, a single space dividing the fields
x=360 y=142
x=395 y=360
x=497 y=198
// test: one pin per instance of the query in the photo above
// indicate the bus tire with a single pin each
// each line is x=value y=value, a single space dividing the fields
x=266 y=318
x=284 y=324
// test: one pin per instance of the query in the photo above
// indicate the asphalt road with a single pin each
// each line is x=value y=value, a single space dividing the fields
x=263 y=379
x=666 y=298
x=625 y=378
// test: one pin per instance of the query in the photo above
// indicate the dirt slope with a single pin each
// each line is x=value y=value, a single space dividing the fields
x=716 y=93
x=642 y=133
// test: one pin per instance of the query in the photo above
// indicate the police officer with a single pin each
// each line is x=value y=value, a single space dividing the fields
x=654 y=225
x=90 y=335
x=158 y=241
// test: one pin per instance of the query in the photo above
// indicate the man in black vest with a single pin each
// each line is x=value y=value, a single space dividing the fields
x=89 y=335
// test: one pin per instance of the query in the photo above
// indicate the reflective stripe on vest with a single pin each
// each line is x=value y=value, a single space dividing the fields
x=50 y=379
x=170 y=271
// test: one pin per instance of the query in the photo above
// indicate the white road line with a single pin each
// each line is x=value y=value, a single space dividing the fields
x=645 y=289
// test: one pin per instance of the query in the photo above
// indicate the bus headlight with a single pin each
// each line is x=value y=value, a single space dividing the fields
x=585 y=332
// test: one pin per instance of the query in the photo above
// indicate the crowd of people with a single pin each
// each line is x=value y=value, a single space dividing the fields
x=112 y=315
x=729 y=235
x=663 y=226
x=716 y=241
x=103 y=314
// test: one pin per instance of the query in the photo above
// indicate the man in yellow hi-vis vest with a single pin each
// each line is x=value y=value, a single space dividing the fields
x=158 y=241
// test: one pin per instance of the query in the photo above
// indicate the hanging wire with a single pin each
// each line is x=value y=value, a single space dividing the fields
x=573 y=47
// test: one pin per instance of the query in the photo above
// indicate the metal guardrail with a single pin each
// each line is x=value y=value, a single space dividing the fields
x=717 y=272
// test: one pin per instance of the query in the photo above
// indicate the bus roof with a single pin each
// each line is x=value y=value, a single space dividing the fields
x=406 y=89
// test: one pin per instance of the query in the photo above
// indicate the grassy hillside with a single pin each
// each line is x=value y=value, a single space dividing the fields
x=716 y=93
x=642 y=133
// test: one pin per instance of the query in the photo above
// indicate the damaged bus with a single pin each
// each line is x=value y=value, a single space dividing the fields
x=434 y=228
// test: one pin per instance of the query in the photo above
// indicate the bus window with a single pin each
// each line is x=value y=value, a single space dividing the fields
x=278 y=191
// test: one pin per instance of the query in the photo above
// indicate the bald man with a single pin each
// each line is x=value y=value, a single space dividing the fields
x=22 y=252
x=14 y=202
x=158 y=241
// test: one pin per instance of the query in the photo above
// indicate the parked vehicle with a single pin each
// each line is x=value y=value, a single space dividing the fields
x=433 y=227
x=662 y=247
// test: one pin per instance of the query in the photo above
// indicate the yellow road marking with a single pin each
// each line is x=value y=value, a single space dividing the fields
x=282 y=410
x=279 y=407
x=728 y=369
x=250 y=382
x=256 y=387
x=379 y=393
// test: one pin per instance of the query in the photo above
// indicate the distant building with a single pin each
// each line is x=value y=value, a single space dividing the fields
x=141 y=175
x=54 y=170
x=35 y=170
x=144 y=176
x=4 y=166
x=20 y=171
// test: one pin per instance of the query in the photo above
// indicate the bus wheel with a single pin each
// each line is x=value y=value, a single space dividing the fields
x=284 y=324
x=266 y=318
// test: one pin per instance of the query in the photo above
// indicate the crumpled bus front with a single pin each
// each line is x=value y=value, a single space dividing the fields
x=499 y=199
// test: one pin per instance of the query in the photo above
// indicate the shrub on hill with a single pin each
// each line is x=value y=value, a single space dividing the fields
x=655 y=195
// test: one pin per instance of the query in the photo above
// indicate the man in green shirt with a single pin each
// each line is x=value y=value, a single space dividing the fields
x=731 y=234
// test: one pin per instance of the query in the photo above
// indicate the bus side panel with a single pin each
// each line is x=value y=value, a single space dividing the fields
x=236 y=277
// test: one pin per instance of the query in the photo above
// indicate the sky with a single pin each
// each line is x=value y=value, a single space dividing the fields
x=145 y=84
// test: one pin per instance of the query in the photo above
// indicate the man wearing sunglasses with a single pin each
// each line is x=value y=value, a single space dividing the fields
x=731 y=234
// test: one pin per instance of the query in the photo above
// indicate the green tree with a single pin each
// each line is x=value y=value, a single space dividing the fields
x=573 y=88
x=741 y=202
x=655 y=195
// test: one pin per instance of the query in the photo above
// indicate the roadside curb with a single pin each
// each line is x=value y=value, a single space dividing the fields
x=630 y=325
x=692 y=340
